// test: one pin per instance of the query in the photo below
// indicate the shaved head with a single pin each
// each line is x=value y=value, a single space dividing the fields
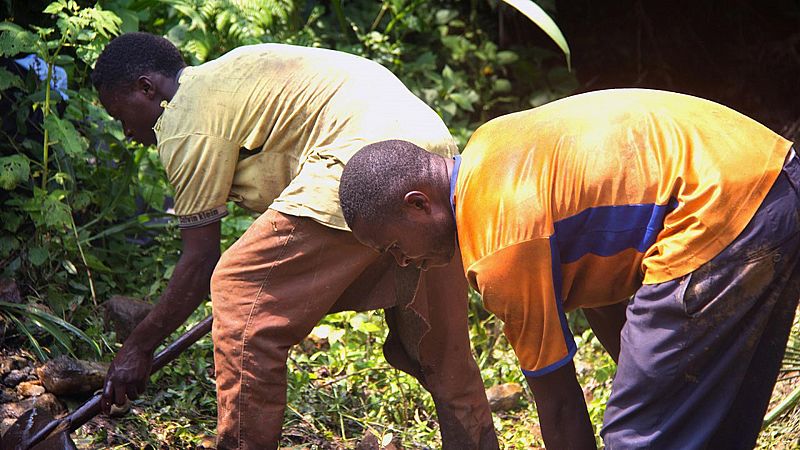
x=396 y=199
x=377 y=177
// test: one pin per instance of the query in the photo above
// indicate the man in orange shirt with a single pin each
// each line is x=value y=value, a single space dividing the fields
x=687 y=206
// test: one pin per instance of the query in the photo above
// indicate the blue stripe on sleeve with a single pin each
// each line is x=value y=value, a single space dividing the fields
x=602 y=231
x=569 y=341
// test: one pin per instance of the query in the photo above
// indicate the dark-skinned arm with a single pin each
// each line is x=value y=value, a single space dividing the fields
x=607 y=323
x=563 y=416
x=451 y=374
x=188 y=287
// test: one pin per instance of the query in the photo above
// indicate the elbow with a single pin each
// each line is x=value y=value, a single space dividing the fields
x=200 y=261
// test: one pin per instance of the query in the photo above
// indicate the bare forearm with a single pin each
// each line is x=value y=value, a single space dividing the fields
x=451 y=373
x=566 y=427
x=563 y=416
x=187 y=288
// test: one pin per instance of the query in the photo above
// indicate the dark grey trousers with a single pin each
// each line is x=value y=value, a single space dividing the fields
x=700 y=354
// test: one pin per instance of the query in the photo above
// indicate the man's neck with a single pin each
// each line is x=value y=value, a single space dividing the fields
x=169 y=86
x=449 y=164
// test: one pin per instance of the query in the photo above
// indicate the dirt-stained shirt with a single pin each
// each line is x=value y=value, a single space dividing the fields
x=579 y=202
x=271 y=126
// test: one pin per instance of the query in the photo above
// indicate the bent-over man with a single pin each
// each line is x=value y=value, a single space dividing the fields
x=270 y=127
x=688 y=206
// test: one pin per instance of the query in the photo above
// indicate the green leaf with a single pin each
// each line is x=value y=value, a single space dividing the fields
x=14 y=169
x=335 y=336
x=538 y=16
x=369 y=327
x=14 y=41
x=55 y=332
x=444 y=16
x=69 y=267
x=11 y=220
x=8 y=79
x=64 y=134
x=24 y=329
x=55 y=7
x=129 y=21
x=506 y=57
x=50 y=210
x=462 y=101
x=104 y=22
x=501 y=85
x=33 y=312
x=450 y=108
x=7 y=245
x=95 y=264
x=37 y=255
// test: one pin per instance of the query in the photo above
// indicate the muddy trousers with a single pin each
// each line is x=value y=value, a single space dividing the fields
x=278 y=281
x=700 y=354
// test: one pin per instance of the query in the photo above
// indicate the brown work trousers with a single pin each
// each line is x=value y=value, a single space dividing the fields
x=277 y=282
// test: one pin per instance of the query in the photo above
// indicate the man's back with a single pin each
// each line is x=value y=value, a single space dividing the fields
x=277 y=123
x=584 y=199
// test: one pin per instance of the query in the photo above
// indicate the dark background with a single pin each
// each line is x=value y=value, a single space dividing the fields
x=742 y=53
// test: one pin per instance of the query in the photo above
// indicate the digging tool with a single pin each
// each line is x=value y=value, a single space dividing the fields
x=28 y=430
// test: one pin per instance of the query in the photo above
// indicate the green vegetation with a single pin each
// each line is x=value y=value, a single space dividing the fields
x=81 y=209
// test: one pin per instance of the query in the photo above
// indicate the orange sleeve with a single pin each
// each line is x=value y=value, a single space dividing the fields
x=520 y=286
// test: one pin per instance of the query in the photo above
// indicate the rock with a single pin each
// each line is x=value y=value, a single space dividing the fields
x=369 y=442
x=67 y=376
x=504 y=397
x=12 y=362
x=15 y=377
x=6 y=423
x=124 y=313
x=9 y=291
x=45 y=402
x=395 y=444
x=8 y=395
x=30 y=388
x=50 y=403
x=15 y=409
x=207 y=442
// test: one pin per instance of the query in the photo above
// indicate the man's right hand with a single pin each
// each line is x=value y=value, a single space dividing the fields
x=127 y=377
x=187 y=288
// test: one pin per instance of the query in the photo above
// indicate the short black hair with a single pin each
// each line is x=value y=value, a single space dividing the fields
x=377 y=177
x=131 y=55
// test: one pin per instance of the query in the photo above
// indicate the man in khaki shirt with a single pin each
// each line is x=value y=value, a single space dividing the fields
x=270 y=127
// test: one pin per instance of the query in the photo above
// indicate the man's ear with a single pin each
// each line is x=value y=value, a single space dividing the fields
x=145 y=85
x=417 y=201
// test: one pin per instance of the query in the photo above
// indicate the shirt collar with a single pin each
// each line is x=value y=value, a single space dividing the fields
x=453 y=179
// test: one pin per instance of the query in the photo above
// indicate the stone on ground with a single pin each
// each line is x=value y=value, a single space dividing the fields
x=504 y=397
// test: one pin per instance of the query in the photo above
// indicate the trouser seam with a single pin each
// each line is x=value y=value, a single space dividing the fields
x=248 y=324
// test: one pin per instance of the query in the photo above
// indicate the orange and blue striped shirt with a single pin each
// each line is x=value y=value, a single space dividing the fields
x=579 y=202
